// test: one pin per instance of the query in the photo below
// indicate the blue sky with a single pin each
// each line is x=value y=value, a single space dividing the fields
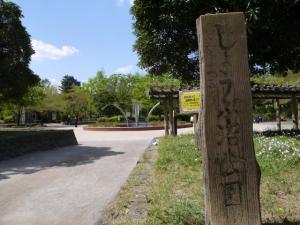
x=80 y=38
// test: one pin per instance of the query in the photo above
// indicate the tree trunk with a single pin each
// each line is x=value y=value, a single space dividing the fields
x=230 y=167
x=278 y=113
x=166 y=118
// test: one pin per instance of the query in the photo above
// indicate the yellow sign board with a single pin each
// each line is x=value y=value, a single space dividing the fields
x=189 y=101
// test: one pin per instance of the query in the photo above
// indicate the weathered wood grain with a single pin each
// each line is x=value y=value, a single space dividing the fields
x=231 y=171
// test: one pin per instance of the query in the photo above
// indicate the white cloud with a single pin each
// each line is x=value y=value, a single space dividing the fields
x=120 y=3
x=54 y=81
x=125 y=70
x=45 y=51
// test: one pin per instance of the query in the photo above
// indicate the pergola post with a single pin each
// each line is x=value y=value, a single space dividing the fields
x=295 y=113
x=175 y=122
x=166 y=118
x=171 y=115
x=298 y=109
x=195 y=121
x=278 y=113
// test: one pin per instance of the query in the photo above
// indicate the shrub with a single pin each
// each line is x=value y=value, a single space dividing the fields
x=65 y=118
x=184 y=117
x=102 y=119
x=155 y=118
x=114 y=119
x=276 y=154
x=103 y=124
x=8 y=119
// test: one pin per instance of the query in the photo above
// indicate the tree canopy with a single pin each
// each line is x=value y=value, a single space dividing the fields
x=68 y=82
x=124 y=90
x=167 y=39
x=15 y=53
x=76 y=102
x=98 y=97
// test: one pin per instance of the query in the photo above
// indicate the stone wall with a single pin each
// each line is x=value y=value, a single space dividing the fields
x=16 y=143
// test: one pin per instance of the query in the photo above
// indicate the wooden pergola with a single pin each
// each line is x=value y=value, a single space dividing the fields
x=168 y=97
x=277 y=92
x=259 y=91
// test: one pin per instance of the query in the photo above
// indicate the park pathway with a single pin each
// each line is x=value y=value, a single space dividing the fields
x=71 y=185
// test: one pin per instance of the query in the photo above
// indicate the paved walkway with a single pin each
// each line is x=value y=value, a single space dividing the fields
x=72 y=185
x=286 y=125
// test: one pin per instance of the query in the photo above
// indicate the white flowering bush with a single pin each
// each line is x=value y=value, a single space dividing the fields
x=278 y=152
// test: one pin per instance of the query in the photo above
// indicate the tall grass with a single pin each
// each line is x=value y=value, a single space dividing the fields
x=175 y=194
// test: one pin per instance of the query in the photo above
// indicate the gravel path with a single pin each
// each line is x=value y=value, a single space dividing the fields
x=72 y=185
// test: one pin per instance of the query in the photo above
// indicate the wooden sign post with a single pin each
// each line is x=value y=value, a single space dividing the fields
x=231 y=170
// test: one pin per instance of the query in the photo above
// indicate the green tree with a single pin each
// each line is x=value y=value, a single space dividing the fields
x=36 y=99
x=15 y=53
x=97 y=89
x=67 y=83
x=32 y=98
x=167 y=39
x=52 y=101
x=76 y=102
x=124 y=90
x=119 y=87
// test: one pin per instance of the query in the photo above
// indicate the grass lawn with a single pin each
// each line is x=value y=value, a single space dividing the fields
x=174 y=194
x=279 y=159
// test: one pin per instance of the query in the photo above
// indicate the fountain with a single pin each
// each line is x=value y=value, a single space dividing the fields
x=150 y=112
x=120 y=109
x=136 y=126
